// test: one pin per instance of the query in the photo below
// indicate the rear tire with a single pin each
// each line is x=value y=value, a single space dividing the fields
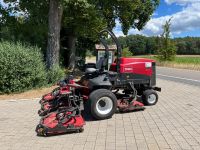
x=81 y=130
x=150 y=97
x=103 y=104
x=40 y=130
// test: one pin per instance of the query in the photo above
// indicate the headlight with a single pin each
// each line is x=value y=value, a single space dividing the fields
x=148 y=64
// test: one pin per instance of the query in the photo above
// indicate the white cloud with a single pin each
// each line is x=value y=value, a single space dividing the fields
x=188 y=19
x=181 y=2
x=118 y=32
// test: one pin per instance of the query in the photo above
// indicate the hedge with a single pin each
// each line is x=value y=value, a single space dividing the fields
x=21 y=67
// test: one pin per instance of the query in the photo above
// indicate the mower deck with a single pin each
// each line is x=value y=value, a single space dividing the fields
x=134 y=106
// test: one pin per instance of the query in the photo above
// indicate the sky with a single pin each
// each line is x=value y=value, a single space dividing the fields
x=2 y=3
x=185 y=19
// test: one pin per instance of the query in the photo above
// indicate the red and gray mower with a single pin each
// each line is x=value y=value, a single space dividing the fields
x=129 y=84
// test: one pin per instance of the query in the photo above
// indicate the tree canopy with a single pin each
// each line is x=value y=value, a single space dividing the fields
x=80 y=19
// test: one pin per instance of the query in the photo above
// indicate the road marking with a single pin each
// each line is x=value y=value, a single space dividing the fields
x=179 y=78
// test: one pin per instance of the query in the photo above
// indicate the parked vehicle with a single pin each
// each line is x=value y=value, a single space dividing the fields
x=129 y=84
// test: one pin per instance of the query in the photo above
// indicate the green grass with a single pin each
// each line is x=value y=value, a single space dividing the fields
x=181 y=61
x=187 y=60
x=178 y=59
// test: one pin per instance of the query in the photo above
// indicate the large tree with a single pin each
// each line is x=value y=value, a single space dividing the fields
x=88 y=17
x=26 y=21
x=37 y=14
x=131 y=13
x=83 y=18
x=53 y=46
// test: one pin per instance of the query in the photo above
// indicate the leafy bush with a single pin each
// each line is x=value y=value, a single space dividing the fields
x=55 y=74
x=126 y=52
x=21 y=67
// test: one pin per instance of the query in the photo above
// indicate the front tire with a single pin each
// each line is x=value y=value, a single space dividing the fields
x=103 y=104
x=150 y=97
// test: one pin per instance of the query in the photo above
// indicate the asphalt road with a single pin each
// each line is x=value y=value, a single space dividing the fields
x=179 y=75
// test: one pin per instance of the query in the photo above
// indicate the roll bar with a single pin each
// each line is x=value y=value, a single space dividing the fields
x=103 y=41
x=119 y=49
x=106 y=56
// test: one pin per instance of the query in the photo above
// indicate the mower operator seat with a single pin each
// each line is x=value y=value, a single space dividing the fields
x=99 y=66
x=100 y=63
x=90 y=70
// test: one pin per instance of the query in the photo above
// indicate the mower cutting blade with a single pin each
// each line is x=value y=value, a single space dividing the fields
x=64 y=120
x=44 y=131
x=135 y=105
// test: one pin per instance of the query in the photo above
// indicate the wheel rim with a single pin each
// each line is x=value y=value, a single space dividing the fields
x=104 y=105
x=152 y=98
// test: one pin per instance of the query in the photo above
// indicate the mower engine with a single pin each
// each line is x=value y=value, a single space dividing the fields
x=137 y=70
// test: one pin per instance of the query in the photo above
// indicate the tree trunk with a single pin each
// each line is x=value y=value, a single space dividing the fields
x=53 y=47
x=72 y=50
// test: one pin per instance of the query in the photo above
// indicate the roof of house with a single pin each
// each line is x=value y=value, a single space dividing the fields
x=101 y=47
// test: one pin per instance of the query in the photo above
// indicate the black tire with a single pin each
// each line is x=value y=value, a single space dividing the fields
x=81 y=130
x=109 y=101
x=41 y=131
x=150 y=97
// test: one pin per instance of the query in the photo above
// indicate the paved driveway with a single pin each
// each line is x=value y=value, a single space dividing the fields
x=174 y=123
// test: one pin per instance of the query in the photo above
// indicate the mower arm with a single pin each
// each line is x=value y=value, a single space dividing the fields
x=157 y=89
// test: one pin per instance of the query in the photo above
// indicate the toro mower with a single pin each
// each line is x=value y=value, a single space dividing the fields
x=127 y=85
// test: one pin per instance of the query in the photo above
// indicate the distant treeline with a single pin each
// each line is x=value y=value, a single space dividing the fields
x=140 y=45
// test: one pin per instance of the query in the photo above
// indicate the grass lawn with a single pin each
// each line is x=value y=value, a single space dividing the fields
x=181 y=61
x=187 y=60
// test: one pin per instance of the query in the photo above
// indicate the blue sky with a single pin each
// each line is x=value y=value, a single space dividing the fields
x=185 y=19
x=166 y=9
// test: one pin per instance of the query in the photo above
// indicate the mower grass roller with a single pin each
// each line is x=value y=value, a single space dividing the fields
x=129 y=84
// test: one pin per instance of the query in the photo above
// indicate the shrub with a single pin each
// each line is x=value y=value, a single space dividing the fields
x=126 y=52
x=55 y=74
x=21 y=67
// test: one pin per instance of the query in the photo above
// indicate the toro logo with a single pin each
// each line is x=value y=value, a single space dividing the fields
x=128 y=69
